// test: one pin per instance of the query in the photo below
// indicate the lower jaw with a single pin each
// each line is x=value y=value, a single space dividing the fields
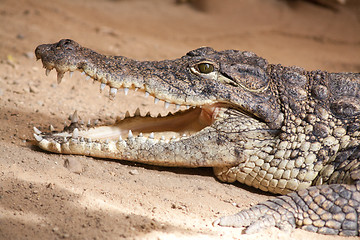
x=173 y=126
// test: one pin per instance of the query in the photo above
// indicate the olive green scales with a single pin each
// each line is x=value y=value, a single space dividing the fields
x=280 y=129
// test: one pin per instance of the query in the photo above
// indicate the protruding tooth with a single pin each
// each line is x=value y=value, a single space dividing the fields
x=173 y=137
x=120 y=138
x=37 y=131
x=136 y=89
x=187 y=106
x=156 y=100
x=52 y=129
x=113 y=92
x=89 y=140
x=82 y=73
x=96 y=122
x=130 y=135
x=141 y=134
x=37 y=137
x=162 y=138
x=107 y=141
x=71 y=73
x=177 y=107
x=126 y=91
x=166 y=105
x=74 y=118
x=75 y=133
x=184 y=135
x=87 y=77
x=81 y=122
x=127 y=114
x=147 y=94
x=148 y=114
x=102 y=86
x=151 y=135
x=137 y=113
x=88 y=123
x=82 y=139
x=47 y=72
x=60 y=75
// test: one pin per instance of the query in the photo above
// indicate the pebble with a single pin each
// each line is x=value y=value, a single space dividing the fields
x=33 y=89
x=29 y=55
x=134 y=172
x=73 y=165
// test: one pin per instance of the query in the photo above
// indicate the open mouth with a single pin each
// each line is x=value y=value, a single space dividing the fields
x=171 y=127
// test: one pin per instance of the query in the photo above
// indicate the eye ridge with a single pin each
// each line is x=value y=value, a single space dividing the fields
x=205 y=68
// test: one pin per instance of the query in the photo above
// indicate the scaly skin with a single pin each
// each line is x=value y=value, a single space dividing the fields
x=280 y=129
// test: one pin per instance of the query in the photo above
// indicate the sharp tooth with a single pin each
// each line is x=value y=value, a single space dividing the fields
x=75 y=133
x=37 y=137
x=71 y=73
x=120 y=138
x=166 y=105
x=82 y=139
x=113 y=92
x=137 y=113
x=88 y=123
x=156 y=100
x=126 y=91
x=96 y=122
x=173 y=137
x=37 y=131
x=127 y=114
x=47 y=72
x=82 y=73
x=184 y=135
x=81 y=122
x=151 y=135
x=187 y=106
x=147 y=94
x=52 y=129
x=130 y=135
x=177 y=107
x=87 y=78
x=163 y=138
x=74 y=118
x=89 y=140
x=141 y=135
x=102 y=86
x=136 y=89
x=107 y=141
x=60 y=75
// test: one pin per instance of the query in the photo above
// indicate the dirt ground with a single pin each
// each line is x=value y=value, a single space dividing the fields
x=49 y=196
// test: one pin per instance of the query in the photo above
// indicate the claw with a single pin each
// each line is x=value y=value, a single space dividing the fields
x=47 y=72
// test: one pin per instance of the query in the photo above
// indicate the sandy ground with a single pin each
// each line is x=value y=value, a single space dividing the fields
x=42 y=197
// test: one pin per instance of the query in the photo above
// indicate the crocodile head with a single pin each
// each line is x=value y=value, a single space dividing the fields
x=229 y=97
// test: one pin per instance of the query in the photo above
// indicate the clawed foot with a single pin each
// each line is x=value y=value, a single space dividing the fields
x=268 y=214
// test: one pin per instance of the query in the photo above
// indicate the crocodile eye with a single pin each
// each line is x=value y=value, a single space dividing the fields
x=205 y=68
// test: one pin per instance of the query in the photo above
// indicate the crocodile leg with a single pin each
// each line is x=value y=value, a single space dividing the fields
x=327 y=209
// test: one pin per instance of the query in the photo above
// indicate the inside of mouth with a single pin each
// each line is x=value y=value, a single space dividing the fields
x=181 y=123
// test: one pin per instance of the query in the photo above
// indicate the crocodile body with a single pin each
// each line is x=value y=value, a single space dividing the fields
x=280 y=129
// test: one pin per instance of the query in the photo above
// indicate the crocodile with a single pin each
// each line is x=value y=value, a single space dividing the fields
x=284 y=130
